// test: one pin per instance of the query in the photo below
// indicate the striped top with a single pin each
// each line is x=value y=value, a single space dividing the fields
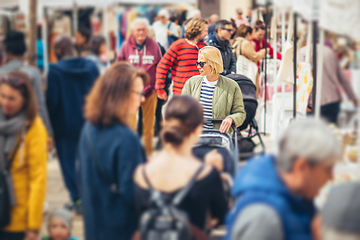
x=206 y=97
x=181 y=58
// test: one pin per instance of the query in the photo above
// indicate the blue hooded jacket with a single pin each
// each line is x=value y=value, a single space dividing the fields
x=258 y=182
x=69 y=81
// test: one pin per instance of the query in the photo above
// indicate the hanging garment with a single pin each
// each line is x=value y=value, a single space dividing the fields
x=304 y=79
x=341 y=17
x=285 y=72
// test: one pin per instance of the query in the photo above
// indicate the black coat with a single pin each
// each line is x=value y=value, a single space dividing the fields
x=228 y=57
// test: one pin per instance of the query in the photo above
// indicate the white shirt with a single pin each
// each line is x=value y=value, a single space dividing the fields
x=206 y=98
x=161 y=32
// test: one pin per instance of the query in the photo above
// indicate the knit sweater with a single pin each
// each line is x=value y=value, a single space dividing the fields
x=180 y=58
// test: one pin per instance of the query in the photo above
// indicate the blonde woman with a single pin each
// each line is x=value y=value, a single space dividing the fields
x=220 y=96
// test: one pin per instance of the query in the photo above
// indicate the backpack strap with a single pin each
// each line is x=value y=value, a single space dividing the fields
x=151 y=188
x=113 y=185
x=183 y=192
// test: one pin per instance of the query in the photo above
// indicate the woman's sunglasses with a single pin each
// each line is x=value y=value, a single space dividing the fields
x=11 y=80
x=201 y=64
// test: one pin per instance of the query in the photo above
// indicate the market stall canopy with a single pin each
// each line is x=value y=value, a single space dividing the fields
x=341 y=17
x=307 y=9
x=70 y=3
x=276 y=3
x=154 y=1
x=9 y=3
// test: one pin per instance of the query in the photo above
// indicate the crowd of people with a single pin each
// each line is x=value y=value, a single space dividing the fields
x=89 y=112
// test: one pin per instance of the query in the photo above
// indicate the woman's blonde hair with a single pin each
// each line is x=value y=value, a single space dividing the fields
x=213 y=59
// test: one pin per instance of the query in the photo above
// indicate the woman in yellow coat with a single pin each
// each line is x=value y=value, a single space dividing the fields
x=23 y=138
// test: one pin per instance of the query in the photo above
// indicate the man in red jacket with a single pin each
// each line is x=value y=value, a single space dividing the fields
x=259 y=40
x=143 y=52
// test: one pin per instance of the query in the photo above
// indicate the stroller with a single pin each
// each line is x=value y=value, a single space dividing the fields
x=212 y=139
x=224 y=144
x=246 y=144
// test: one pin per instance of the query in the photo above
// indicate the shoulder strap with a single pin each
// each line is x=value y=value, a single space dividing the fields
x=113 y=185
x=240 y=46
x=13 y=152
x=147 y=179
x=169 y=25
x=183 y=192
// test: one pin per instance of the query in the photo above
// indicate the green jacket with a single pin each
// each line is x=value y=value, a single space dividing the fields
x=227 y=99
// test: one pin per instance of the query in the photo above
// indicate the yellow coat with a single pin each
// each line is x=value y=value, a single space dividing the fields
x=29 y=177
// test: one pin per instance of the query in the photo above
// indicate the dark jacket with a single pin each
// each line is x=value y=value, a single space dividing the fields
x=117 y=150
x=259 y=183
x=228 y=57
x=69 y=81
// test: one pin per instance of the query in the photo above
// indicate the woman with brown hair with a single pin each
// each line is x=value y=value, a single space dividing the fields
x=247 y=57
x=174 y=166
x=243 y=45
x=23 y=153
x=109 y=152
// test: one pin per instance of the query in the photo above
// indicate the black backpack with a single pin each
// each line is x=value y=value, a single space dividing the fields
x=164 y=220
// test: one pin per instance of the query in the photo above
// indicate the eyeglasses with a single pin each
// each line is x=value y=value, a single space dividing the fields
x=201 y=64
x=13 y=81
x=240 y=13
x=141 y=94
x=228 y=29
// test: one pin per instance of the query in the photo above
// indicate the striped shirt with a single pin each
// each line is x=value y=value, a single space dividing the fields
x=206 y=97
x=181 y=58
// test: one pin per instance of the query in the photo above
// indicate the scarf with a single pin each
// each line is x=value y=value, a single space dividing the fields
x=223 y=44
x=9 y=131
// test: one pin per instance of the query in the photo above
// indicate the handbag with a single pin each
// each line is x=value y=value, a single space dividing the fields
x=304 y=79
x=6 y=193
x=246 y=67
x=285 y=72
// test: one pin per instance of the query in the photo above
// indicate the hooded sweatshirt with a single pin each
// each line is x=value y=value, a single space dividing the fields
x=69 y=81
x=259 y=182
x=146 y=58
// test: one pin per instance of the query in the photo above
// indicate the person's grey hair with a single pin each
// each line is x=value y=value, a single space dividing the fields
x=311 y=139
x=333 y=234
x=138 y=21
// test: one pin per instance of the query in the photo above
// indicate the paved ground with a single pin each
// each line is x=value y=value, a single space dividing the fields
x=57 y=195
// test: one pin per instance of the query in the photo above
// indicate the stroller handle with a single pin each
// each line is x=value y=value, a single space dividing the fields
x=235 y=152
x=219 y=121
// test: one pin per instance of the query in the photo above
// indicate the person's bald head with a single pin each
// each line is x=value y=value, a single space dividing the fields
x=214 y=18
x=63 y=47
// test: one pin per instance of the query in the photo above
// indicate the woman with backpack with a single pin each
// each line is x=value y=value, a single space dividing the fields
x=23 y=158
x=109 y=152
x=172 y=170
